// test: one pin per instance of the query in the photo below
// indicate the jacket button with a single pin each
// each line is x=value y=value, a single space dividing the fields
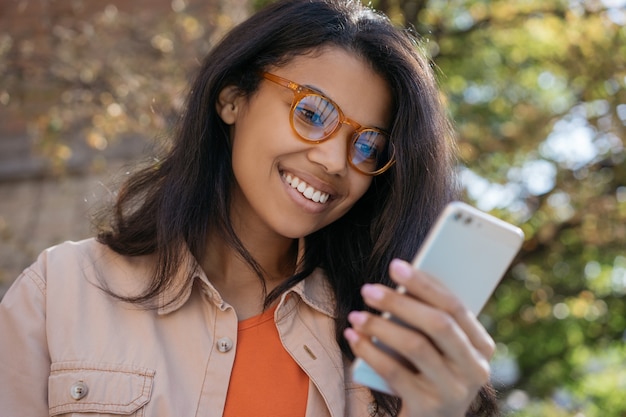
x=224 y=344
x=78 y=390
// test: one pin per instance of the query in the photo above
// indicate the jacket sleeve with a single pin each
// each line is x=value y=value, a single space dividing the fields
x=24 y=357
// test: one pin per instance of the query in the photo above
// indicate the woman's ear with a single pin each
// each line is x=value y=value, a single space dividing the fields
x=228 y=104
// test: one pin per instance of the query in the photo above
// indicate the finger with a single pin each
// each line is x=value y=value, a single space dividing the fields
x=406 y=346
x=434 y=383
x=435 y=293
x=440 y=327
x=401 y=380
x=437 y=324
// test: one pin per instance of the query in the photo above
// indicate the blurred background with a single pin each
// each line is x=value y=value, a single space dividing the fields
x=537 y=89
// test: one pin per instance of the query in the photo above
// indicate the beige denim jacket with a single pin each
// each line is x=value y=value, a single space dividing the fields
x=67 y=348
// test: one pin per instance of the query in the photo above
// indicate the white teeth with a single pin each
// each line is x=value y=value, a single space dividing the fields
x=308 y=193
x=306 y=190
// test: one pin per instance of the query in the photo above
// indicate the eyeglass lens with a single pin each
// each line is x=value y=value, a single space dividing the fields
x=315 y=118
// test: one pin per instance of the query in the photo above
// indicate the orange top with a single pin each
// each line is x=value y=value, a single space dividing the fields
x=265 y=380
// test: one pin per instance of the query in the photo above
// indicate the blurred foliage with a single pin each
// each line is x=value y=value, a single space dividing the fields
x=96 y=73
x=537 y=89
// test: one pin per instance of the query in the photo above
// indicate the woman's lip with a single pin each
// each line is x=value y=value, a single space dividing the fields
x=305 y=205
x=312 y=181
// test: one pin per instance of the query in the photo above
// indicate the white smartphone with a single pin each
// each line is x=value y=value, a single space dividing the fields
x=469 y=251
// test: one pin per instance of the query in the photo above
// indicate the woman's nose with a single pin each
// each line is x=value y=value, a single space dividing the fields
x=332 y=154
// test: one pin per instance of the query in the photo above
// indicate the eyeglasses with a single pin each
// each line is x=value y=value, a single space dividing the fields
x=315 y=118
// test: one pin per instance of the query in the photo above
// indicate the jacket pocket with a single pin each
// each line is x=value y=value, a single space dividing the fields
x=82 y=387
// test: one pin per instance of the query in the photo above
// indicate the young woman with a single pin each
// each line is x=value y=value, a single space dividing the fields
x=240 y=274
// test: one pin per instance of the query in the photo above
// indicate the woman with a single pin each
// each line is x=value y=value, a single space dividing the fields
x=239 y=275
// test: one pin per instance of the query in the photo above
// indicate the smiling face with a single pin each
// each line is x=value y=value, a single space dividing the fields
x=286 y=186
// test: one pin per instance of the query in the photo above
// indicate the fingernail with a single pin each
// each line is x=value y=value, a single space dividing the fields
x=350 y=335
x=356 y=318
x=372 y=292
x=401 y=270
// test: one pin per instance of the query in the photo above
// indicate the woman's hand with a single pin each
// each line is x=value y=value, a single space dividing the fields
x=447 y=344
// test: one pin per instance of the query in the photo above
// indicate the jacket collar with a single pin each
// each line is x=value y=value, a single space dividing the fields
x=178 y=293
x=314 y=290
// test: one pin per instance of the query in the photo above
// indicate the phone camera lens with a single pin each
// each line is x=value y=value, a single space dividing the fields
x=468 y=220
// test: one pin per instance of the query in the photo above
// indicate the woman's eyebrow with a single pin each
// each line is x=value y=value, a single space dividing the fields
x=315 y=89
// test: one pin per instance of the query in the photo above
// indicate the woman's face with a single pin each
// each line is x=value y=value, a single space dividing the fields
x=268 y=158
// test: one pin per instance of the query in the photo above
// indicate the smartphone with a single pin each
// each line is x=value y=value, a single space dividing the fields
x=469 y=251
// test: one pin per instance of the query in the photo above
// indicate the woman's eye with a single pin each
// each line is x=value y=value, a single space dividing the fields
x=316 y=111
x=309 y=116
x=366 y=150
x=370 y=145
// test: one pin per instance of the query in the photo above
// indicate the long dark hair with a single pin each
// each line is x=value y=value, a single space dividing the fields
x=179 y=200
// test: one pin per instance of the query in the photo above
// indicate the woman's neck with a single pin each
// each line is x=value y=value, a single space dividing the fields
x=236 y=280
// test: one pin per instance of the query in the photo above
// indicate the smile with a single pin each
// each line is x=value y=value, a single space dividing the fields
x=305 y=189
